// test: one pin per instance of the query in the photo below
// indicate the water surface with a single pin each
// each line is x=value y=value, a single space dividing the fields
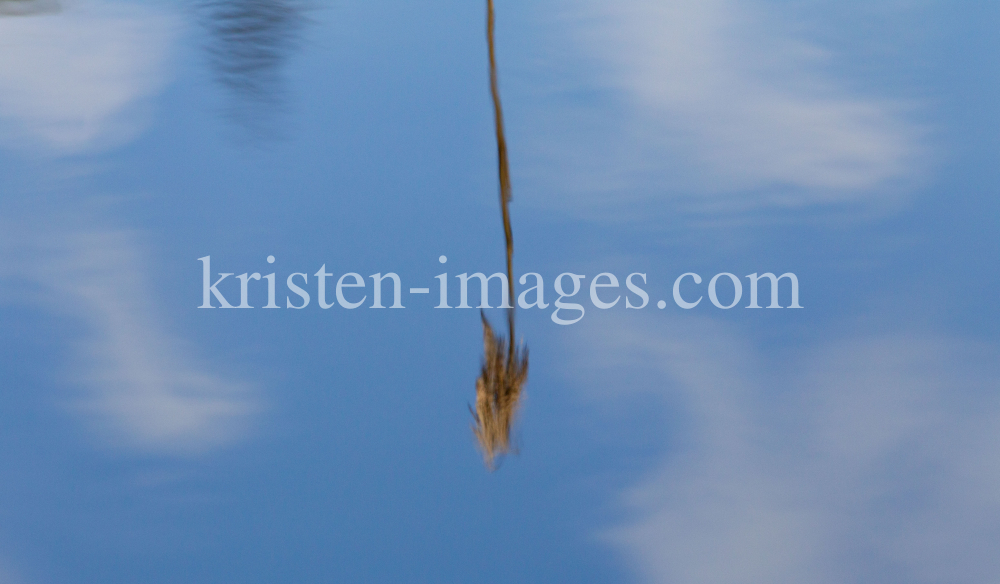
x=144 y=439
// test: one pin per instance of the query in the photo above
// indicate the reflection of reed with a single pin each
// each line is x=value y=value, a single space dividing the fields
x=498 y=391
x=27 y=7
x=250 y=41
x=505 y=366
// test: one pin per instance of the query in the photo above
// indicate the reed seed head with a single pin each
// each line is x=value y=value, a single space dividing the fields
x=498 y=393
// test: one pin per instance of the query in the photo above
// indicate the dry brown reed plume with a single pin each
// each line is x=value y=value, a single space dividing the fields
x=505 y=367
x=498 y=392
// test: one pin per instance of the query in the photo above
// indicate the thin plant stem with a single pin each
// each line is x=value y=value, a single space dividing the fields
x=505 y=365
x=503 y=170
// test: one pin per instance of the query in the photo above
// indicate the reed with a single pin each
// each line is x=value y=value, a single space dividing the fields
x=498 y=394
x=28 y=7
x=505 y=366
x=250 y=41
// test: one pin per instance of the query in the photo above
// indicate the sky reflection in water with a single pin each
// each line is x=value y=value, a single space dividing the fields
x=852 y=440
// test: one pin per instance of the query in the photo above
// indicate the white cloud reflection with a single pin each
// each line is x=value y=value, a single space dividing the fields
x=75 y=79
x=720 y=100
x=144 y=388
x=869 y=460
x=71 y=82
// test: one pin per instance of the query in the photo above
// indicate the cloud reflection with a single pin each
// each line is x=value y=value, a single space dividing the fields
x=74 y=80
x=71 y=82
x=145 y=389
x=870 y=459
x=721 y=101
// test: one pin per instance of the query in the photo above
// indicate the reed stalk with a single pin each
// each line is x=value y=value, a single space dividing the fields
x=505 y=366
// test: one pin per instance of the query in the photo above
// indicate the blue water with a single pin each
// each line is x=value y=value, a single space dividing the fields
x=145 y=439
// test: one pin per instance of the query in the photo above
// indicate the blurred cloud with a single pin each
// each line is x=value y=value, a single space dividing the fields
x=71 y=82
x=76 y=79
x=720 y=99
x=144 y=388
x=869 y=459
